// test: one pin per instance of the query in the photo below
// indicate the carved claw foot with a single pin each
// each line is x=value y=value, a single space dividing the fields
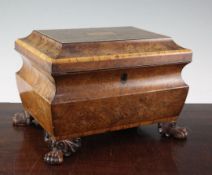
x=22 y=119
x=171 y=130
x=60 y=149
x=54 y=157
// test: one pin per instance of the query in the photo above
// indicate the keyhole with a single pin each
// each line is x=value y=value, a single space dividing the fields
x=123 y=77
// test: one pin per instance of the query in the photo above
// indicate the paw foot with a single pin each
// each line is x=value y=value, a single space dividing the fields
x=60 y=148
x=68 y=147
x=171 y=130
x=21 y=119
x=179 y=132
x=54 y=157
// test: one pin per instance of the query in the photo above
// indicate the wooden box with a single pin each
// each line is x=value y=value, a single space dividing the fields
x=78 y=82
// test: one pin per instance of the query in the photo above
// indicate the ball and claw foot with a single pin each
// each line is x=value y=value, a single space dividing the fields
x=60 y=149
x=169 y=129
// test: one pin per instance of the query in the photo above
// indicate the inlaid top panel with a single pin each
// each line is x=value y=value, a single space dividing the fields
x=99 y=34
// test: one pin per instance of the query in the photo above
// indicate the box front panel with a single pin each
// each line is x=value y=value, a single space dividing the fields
x=96 y=102
x=97 y=116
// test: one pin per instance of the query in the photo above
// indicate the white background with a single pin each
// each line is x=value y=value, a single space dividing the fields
x=188 y=22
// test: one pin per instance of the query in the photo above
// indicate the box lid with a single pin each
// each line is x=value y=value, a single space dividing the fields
x=70 y=50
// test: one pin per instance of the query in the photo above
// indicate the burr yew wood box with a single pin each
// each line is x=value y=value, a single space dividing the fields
x=78 y=82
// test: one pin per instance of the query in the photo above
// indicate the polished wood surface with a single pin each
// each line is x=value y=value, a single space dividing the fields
x=131 y=48
x=67 y=36
x=125 y=152
x=76 y=105
x=97 y=102
x=37 y=90
x=137 y=81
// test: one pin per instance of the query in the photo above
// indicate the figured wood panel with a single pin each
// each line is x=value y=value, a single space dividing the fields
x=37 y=90
x=108 y=83
x=97 y=116
x=101 y=101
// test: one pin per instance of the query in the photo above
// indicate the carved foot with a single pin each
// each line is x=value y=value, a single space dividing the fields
x=60 y=149
x=171 y=130
x=54 y=157
x=22 y=119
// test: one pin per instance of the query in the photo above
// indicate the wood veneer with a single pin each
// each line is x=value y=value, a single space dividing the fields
x=82 y=82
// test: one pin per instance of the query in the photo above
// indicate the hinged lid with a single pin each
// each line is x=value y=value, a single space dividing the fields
x=70 y=50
